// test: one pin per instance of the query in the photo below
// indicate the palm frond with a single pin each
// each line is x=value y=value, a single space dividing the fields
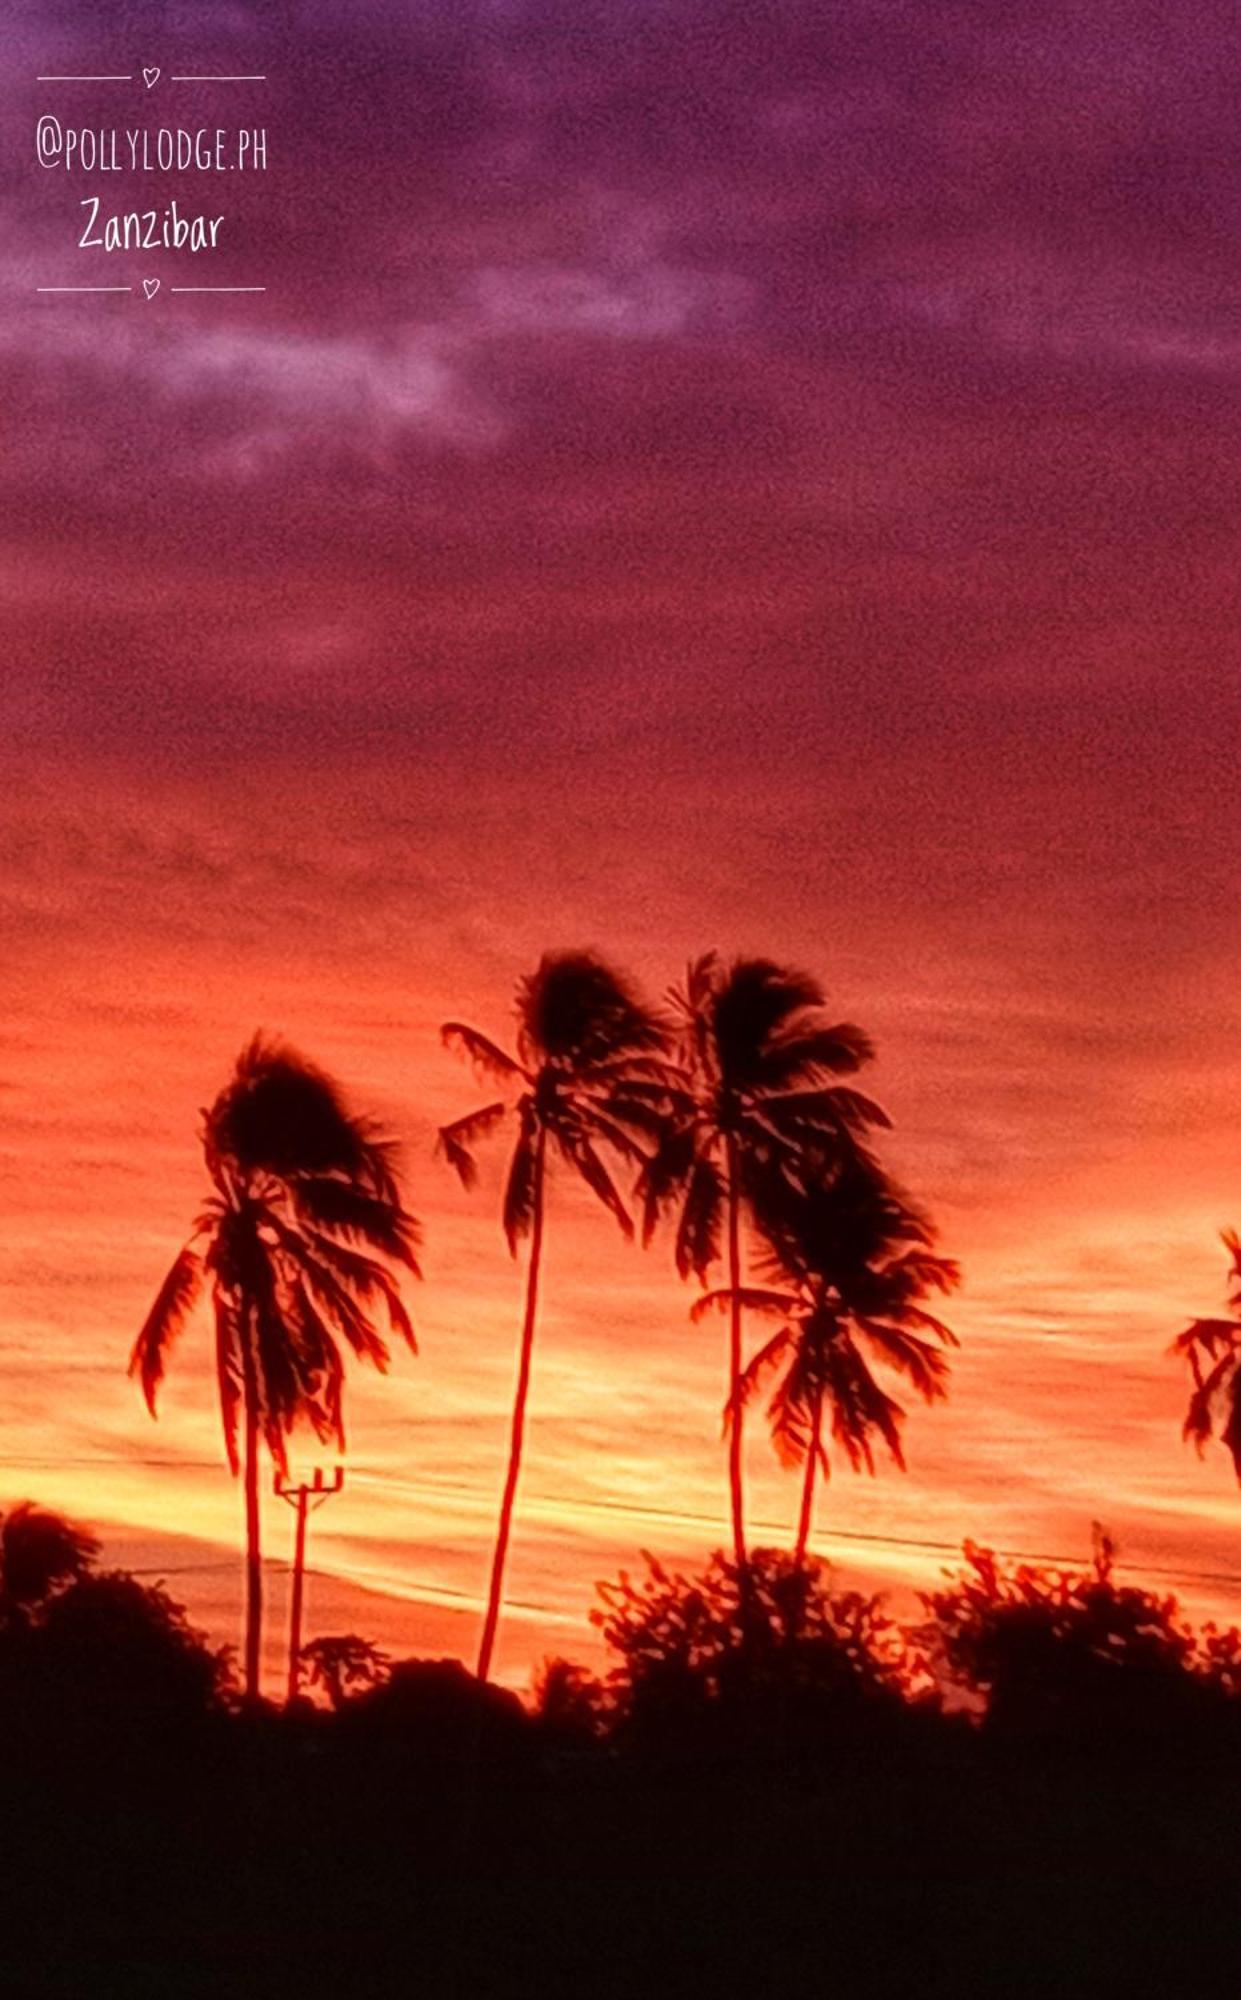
x=665 y=1173
x=174 y=1302
x=1200 y=1416
x=457 y=1141
x=783 y=1342
x=337 y=1311
x=520 y=1188
x=279 y=1381
x=805 y=1052
x=860 y=1408
x=357 y=1215
x=701 y=1222
x=370 y=1279
x=834 y=1110
x=579 y=1152
x=283 y=1116
x=485 y=1055
x=750 y=1298
x=1210 y=1336
x=230 y=1374
x=750 y=1006
x=1230 y=1436
x=924 y=1365
x=580 y=1013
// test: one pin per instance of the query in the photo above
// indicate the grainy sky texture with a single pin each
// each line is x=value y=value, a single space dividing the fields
x=760 y=477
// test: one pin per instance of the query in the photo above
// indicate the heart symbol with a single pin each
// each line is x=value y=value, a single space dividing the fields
x=150 y=286
x=150 y=76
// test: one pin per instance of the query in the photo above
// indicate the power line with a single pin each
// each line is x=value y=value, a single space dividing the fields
x=637 y=1510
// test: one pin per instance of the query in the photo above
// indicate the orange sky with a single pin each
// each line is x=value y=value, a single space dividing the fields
x=1079 y=1168
x=697 y=477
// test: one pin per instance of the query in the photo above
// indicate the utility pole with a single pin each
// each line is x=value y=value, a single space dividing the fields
x=304 y=1500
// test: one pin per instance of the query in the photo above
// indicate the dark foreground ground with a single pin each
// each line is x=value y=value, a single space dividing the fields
x=273 y=1861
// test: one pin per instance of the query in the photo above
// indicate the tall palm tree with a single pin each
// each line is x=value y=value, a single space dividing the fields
x=850 y=1266
x=1212 y=1348
x=295 y=1243
x=752 y=1095
x=586 y=1076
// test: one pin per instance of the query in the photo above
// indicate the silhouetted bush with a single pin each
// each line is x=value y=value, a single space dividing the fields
x=437 y=1712
x=40 y=1554
x=1059 y=1653
x=571 y=1705
x=762 y=1661
x=110 y=1660
x=341 y=1667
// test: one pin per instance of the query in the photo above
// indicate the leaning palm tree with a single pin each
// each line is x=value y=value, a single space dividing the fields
x=1212 y=1348
x=585 y=1080
x=296 y=1244
x=752 y=1096
x=850 y=1266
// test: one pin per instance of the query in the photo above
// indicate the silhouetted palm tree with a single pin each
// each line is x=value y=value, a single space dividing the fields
x=850 y=1265
x=586 y=1075
x=752 y=1096
x=305 y=1207
x=1212 y=1348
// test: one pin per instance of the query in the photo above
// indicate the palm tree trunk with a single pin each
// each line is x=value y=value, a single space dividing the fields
x=807 y=1491
x=254 y=1559
x=495 y=1595
x=735 y=1485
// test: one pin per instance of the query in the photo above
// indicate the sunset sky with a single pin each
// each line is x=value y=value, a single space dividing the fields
x=698 y=475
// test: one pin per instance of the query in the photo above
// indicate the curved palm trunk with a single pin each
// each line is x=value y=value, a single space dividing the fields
x=495 y=1595
x=735 y=1480
x=254 y=1558
x=807 y=1491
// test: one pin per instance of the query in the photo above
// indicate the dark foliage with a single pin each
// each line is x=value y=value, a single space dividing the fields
x=765 y=1662
x=1074 y=1656
x=113 y=1654
x=571 y=1704
x=341 y=1666
x=93 y=1657
x=1212 y=1348
x=40 y=1553
x=748 y=1785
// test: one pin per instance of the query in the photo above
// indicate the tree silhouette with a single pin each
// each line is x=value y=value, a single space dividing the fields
x=850 y=1265
x=113 y=1653
x=342 y=1665
x=1070 y=1651
x=40 y=1554
x=304 y=1210
x=1212 y=1348
x=586 y=1076
x=751 y=1098
x=730 y=1656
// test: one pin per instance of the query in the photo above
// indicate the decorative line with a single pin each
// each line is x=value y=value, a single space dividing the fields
x=84 y=288
x=84 y=79
x=215 y=288
x=217 y=79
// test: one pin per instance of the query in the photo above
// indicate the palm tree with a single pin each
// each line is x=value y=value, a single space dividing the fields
x=295 y=1243
x=586 y=1075
x=752 y=1097
x=1212 y=1348
x=850 y=1264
